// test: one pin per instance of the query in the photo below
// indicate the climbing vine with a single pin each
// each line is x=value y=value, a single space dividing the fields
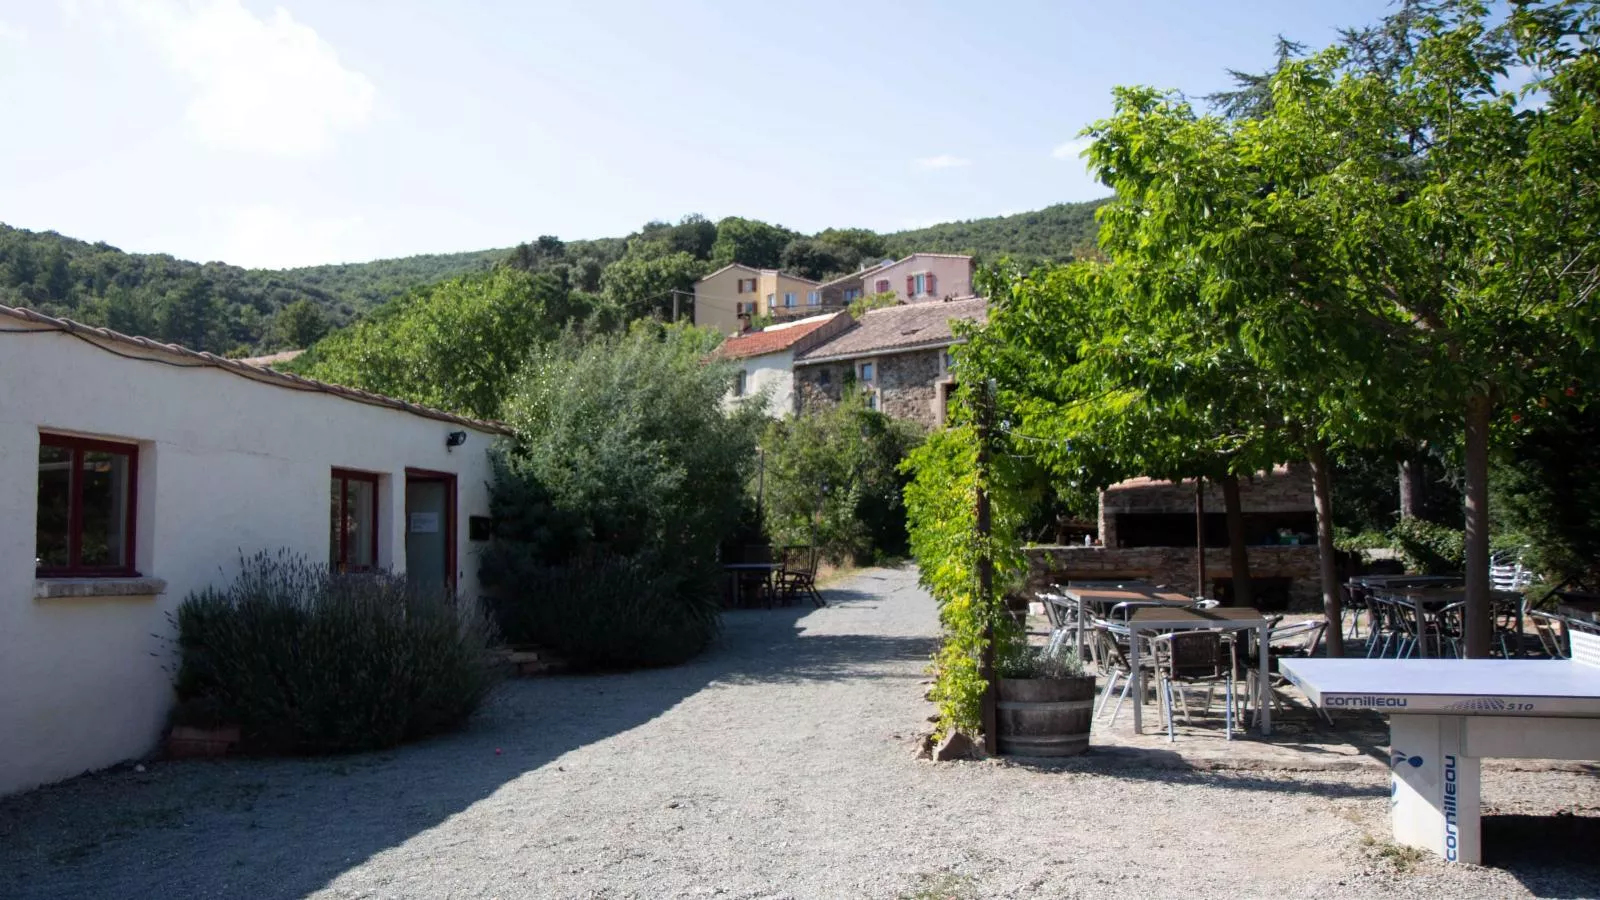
x=941 y=511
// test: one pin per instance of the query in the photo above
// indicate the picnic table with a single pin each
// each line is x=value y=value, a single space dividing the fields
x=1105 y=595
x=1448 y=715
x=1223 y=618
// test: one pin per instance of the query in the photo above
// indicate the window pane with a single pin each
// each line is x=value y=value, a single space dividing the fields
x=105 y=509
x=335 y=550
x=55 y=506
x=363 y=542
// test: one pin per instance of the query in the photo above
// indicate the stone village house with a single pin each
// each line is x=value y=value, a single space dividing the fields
x=133 y=473
x=898 y=355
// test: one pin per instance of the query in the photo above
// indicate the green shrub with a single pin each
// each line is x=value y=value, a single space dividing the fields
x=624 y=461
x=306 y=660
x=610 y=613
x=1430 y=548
x=832 y=477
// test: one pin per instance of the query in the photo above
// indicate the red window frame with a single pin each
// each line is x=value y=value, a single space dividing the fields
x=74 y=567
x=883 y=286
x=344 y=476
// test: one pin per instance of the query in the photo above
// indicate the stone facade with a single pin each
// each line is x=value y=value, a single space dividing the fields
x=1284 y=490
x=909 y=385
x=1175 y=566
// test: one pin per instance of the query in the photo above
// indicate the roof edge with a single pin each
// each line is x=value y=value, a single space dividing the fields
x=270 y=377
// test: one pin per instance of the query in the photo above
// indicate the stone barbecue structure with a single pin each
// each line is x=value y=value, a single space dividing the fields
x=1147 y=533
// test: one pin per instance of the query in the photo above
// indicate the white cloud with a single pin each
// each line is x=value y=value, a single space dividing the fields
x=1071 y=149
x=12 y=34
x=275 y=237
x=942 y=161
x=270 y=86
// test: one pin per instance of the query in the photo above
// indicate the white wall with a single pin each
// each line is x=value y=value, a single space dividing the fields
x=226 y=466
x=773 y=373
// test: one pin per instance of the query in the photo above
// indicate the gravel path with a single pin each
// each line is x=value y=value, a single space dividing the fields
x=778 y=765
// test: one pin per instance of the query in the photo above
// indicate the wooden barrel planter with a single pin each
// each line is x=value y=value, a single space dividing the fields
x=1044 y=716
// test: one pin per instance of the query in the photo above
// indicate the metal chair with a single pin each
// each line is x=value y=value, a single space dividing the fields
x=1113 y=639
x=1551 y=640
x=1193 y=658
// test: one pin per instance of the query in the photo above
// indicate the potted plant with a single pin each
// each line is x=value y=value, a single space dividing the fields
x=1046 y=702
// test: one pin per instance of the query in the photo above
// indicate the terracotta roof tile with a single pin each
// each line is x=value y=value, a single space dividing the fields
x=898 y=328
x=771 y=339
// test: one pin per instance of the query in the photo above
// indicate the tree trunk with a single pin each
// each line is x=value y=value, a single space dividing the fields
x=1478 y=621
x=1332 y=607
x=1239 y=554
x=1199 y=537
x=1412 y=487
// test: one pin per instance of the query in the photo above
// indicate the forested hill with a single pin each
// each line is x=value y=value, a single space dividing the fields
x=227 y=309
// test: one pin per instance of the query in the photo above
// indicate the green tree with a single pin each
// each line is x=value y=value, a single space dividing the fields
x=750 y=242
x=190 y=315
x=831 y=480
x=456 y=346
x=299 y=325
x=645 y=285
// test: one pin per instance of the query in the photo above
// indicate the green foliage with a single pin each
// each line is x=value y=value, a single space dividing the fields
x=211 y=306
x=1054 y=234
x=299 y=325
x=306 y=660
x=832 y=478
x=1430 y=548
x=941 y=507
x=750 y=242
x=610 y=612
x=1547 y=489
x=1017 y=659
x=623 y=459
x=865 y=304
x=456 y=345
x=644 y=285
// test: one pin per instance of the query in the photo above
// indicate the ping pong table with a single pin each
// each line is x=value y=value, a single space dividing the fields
x=1446 y=715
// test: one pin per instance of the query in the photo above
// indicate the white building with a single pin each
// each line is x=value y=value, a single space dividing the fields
x=766 y=359
x=133 y=472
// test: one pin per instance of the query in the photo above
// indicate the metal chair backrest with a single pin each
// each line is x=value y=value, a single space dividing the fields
x=1299 y=639
x=1122 y=611
x=1197 y=654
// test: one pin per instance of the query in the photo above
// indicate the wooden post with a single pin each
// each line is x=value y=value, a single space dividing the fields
x=988 y=714
x=1199 y=536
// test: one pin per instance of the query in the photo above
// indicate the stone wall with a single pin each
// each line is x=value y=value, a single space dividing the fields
x=1286 y=489
x=1174 y=566
x=907 y=384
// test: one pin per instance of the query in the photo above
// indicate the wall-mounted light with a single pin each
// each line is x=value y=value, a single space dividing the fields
x=454 y=439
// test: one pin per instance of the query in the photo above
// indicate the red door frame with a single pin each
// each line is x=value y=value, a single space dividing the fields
x=449 y=480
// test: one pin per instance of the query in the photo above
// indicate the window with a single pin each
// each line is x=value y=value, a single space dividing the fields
x=920 y=285
x=824 y=378
x=353 y=537
x=770 y=298
x=788 y=300
x=947 y=393
x=882 y=286
x=872 y=400
x=930 y=285
x=740 y=383
x=748 y=285
x=852 y=294
x=946 y=361
x=814 y=298
x=865 y=372
x=86 y=515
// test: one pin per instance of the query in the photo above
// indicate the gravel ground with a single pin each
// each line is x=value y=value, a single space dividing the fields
x=777 y=765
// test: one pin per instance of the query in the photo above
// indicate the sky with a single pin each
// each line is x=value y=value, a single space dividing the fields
x=318 y=131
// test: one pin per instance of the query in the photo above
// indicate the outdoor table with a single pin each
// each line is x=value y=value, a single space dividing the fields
x=1405 y=581
x=1104 y=595
x=1223 y=618
x=1446 y=715
x=1431 y=600
x=768 y=571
